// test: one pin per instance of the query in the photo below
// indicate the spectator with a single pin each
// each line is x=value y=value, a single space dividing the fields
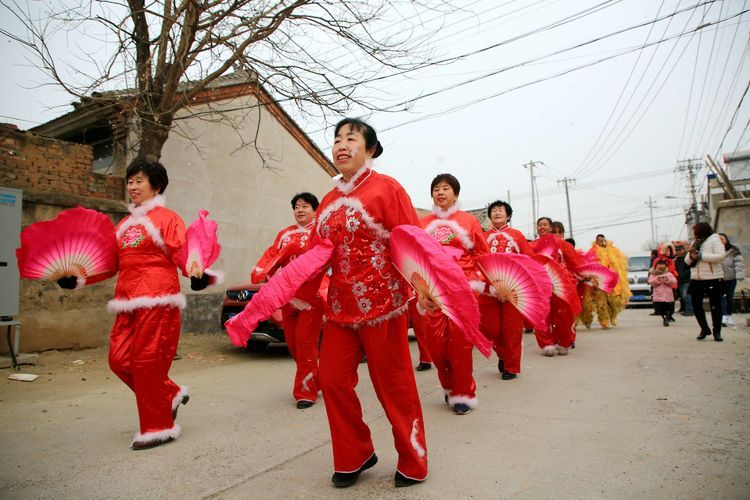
x=706 y=277
x=734 y=269
x=663 y=282
x=683 y=281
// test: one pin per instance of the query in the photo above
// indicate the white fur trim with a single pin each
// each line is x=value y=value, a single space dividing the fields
x=257 y=269
x=80 y=282
x=305 y=380
x=457 y=229
x=161 y=436
x=147 y=225
x=218 y=276
x=444 y=214
x=299 y=230
x=347 y=187
x=421 y=452
x=140 y=211
x=178 y=397
x=549 y=350
x=300 y=304
x=357 y=205
x=477 y=285
x=468 y=401
x=130 y=305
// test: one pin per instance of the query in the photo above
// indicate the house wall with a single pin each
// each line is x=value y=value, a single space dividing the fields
x=55 y=175
x=247 y=190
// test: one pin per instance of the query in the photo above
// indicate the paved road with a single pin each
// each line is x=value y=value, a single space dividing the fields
x=641 y=411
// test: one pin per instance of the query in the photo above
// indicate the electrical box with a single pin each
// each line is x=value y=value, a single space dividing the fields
x=10 y=239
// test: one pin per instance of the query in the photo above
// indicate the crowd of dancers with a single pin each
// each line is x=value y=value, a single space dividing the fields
x=334 y=268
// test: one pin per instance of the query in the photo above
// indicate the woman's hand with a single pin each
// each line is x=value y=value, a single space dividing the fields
x=693 y=254
x=426 y=303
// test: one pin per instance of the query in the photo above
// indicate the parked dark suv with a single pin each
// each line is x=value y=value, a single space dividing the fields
x=268 y=332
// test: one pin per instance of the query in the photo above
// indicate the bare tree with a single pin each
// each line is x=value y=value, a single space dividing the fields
x=316 y=54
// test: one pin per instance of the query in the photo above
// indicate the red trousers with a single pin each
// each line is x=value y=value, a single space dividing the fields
x=389 y=363
x=452 y=355
x=420 y=331
x=561 y=325
x=302 y=333
x=503 y=325
x=142 y=345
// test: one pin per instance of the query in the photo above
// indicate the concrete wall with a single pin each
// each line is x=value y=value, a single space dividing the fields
x=56 y=175
x=246 y=190
x=732 y=217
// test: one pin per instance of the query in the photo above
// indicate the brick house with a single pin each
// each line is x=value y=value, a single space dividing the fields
x=82 y=158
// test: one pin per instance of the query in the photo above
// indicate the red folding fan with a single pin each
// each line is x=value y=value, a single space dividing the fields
x=78 y=243
x=602 y=277
x=201 y=249
x=520 y=280
x=436 y=275
x=563 y=284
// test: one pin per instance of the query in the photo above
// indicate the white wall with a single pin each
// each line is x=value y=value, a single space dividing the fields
x=250 y=201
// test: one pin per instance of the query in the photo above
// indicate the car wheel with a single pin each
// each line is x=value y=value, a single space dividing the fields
x=256 y=345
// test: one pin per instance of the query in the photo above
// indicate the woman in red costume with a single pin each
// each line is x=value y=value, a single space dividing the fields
x=501 y=322
x=147 y=301
x=460 y=233
x=366 y=312
x=560 y=334
x=302 y=320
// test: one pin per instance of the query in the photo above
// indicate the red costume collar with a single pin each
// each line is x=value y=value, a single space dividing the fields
x=444 y=214
x=146 y=207
x=356 y=180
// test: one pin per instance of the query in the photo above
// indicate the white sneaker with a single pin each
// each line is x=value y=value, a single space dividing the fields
x=549 y=350
x=723 y=321
x=729 y=321
x=562 y=351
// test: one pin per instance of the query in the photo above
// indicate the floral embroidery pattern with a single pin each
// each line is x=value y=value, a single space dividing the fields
x=364 y=305
x=359 y=289
x=443 y=234
x=352 y=224
x=344 y=251
x=132 y=237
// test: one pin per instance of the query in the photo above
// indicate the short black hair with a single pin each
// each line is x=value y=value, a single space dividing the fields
x=728 y=245
x=558 y=225
x=600 y=234
x=306 y=197
x=544 y=218
x=449 y=179
x=155 y=171
x=661 y=261
x=571 y=241
x=500 y=203
x=702 y=230
x=371 y=137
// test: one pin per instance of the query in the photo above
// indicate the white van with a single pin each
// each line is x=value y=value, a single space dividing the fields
x=638 y=266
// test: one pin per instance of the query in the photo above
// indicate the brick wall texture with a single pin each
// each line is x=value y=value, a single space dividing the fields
x=28 y=161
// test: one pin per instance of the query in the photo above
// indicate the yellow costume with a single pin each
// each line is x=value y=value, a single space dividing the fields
x=607 y=306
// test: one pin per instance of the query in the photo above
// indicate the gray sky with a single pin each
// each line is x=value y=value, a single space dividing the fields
x=618 y=126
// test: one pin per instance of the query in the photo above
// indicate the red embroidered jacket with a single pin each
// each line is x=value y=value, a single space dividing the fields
x=461 y=231
x=290 y=243
x=147 y=240
x=508 y=240
x=357 y=217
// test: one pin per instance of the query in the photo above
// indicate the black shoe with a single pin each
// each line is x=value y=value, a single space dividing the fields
x=184 y=401
x=572 y=345
x=145 y=445
x=501 y=366
x=302 y=404
x=461 y=408
x=403 y=481
x=423 y=366
x=446 y=399
x=703 y=334
x=665 y=322
x=654 y=314
x=718 y=338
x=346 y=479
x=508 y=376
x=671 y=319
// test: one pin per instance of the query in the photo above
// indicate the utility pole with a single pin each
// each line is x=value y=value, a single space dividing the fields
x=651 y=207
x=566 y=181
x=531 y=166
x=690 y=166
